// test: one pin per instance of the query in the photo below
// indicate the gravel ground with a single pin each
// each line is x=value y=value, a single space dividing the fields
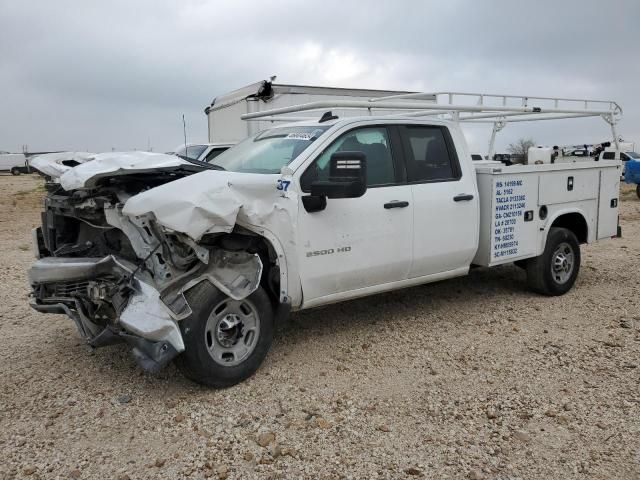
x=469 y=378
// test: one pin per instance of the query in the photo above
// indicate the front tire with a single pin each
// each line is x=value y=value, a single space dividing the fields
x=225 y=340
x=638 y=190
x=15 y=171
x=555 y=271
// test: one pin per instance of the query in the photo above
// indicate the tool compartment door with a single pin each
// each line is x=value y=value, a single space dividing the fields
x=568 y=186
x=508 y=217
x=608 y=202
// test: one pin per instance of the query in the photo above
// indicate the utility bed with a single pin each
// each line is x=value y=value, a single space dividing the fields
x=518 y=204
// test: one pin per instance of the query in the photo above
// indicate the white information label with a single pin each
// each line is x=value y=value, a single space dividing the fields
x=510 y=205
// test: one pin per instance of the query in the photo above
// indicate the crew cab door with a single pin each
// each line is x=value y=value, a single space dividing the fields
x=445 y=200
x=355 y=243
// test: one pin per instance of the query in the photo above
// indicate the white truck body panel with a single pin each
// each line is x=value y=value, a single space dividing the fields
x=507 y=193
x=10 y=160
x=226 y=126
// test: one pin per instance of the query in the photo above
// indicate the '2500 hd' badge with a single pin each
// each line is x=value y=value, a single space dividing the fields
x=329 y=251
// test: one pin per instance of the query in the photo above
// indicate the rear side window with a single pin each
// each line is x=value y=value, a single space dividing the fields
x=609 y=156
x=430 y=154
x=214 y=153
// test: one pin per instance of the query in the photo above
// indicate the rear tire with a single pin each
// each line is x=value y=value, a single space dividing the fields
x=15 y=171
x=555 y=271
x=225 y=340
x=638 y=190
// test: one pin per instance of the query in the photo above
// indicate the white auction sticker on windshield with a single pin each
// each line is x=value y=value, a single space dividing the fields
x=300 y=136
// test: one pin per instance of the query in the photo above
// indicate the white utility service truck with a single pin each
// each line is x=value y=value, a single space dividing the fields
x=196 y=263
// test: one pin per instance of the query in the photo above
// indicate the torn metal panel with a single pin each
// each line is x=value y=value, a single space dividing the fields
x=61 y=269
x=55 y=164
x=218 y=201
x=236 y=274
x=211 y=202
x=112 y=164
x=203 y=203
x=145 y=315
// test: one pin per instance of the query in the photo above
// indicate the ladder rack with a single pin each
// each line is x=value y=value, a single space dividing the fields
x=496 y=109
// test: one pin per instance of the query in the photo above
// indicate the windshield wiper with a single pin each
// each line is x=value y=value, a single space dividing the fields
x=210 y=166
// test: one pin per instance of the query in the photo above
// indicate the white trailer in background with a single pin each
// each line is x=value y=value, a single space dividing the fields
x=226 y=126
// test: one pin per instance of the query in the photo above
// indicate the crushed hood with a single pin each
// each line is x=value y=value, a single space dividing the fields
x=212 y=201
x=55 y=164
x=110 y=164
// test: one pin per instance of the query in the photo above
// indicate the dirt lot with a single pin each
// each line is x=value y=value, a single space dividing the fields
x=470 y=378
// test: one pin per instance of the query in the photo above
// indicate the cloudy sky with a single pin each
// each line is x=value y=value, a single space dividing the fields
x=83 y=75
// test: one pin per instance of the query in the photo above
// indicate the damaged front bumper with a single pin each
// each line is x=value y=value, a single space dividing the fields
x=64 y=285
x=112 y=300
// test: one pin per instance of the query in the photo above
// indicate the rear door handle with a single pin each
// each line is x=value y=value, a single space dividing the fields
x=463 y=198
x=396 y=204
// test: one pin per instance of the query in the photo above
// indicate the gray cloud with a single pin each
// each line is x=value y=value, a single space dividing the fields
x=102 y=75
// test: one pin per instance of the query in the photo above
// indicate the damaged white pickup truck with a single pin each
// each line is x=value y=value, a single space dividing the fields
x=195 y=262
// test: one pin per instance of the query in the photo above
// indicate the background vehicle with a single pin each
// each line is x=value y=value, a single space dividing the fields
x=581 y=152
x=16 y=163
x=203 y=152
x=197 y=265
x=624 y=153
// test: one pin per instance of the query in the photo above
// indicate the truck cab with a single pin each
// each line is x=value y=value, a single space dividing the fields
x=613 y=154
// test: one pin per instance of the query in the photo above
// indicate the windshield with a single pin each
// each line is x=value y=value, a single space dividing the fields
x=270 y=150
x=191 y=151
x=633 y=155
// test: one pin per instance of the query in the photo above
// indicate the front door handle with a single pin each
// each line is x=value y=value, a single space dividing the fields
x=463 y=198
x=396 y=204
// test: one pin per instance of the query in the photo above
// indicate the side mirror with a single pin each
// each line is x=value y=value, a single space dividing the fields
x=347 y=179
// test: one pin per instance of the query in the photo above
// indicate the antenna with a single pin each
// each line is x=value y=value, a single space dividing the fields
x=184 y=130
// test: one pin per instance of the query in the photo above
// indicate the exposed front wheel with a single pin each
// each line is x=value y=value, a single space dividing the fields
x=15 y=171
x=555 y=271
x=225 y=340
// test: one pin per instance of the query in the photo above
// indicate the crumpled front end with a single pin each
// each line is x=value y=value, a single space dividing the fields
x=108 y=304
x=125 y=277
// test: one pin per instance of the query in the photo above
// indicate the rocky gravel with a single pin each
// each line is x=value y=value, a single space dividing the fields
x=473 y=378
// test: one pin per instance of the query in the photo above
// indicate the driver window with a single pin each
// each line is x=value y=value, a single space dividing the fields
x=372 y=141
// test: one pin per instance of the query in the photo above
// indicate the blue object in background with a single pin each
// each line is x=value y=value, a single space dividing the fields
x=632 y=171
